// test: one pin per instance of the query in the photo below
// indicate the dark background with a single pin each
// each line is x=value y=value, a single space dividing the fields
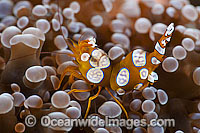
x=195 y=2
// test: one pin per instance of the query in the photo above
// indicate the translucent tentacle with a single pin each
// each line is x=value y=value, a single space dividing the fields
x=68 y=69
x=125 y=112
x=73 y=75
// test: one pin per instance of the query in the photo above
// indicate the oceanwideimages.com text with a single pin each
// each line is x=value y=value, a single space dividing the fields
x=47 y=121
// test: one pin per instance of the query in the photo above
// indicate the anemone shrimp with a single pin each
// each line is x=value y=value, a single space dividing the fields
x=135 y=71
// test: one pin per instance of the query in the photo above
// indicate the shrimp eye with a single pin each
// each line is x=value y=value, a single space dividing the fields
x=85 y=57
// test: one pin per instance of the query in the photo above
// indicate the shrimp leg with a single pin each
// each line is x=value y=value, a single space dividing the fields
x=90 y=100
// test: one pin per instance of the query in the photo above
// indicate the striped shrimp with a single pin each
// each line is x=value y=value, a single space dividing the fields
x=134 y=72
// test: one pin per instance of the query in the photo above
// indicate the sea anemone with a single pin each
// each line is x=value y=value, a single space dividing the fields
x=35 y=51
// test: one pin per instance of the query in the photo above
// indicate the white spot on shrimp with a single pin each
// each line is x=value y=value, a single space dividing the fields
x=123 y=77
x=151 y=78
x=85 y=57
x=95 y=75
x=139 y=57
x=170 y=29
x=154 y=75
x=104 y=62
x=120 y=91
x=143 y=73
x=159 y=49
x=155 y=61
x=138 y=86
x=99 y=59
x=96 y=54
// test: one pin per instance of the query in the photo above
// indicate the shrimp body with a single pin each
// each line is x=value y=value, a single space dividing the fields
x=136 y=71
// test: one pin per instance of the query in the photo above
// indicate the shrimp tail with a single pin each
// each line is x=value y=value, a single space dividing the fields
x=158 y=55
x=160 y=47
